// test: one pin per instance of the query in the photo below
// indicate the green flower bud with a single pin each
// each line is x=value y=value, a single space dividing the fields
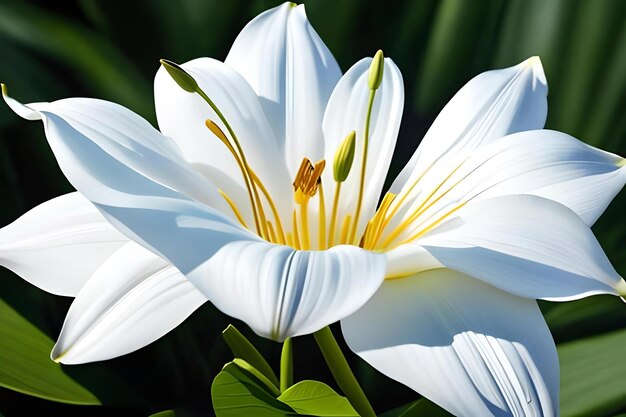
x=376 y=70
x=344 y=157
x=182 y=77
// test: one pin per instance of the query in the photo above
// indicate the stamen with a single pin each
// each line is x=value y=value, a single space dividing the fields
x=215 y=129
x=270 y=201
x=322 y=219
x=307 y=179
x=233 y=207
x=333 y=216
x=375 y=79
x=304 y=220
x=271 y=232
x=345 y=228
x=425 y=205
x=375 y=227
x=296 y=235
x=305 y=185
x=431 y=226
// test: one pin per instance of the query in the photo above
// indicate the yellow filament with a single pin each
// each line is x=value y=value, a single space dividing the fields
x=279 y=225
x=290 y=240
x=375 y=228
x=296 y=235
x=404 y=195
x=359 y=202
x=233 y=207
x=271 y=232
x=304 y=221
x=431 y=226
x=345 y=228
x=322 y=220
x=215 y=129
x=421 y=209
x=333 y=216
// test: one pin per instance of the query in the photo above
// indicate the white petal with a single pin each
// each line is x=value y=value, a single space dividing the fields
x=293 y=73
x=541 y=162
x=280 y=292
x=490 y=106
x=59 y=244
x=347 y=110
x=526 y=245
x=117 y=161
x=471 y=348
x=182 y=116
x=124 y=136
x=407 y=259
x=130 y=301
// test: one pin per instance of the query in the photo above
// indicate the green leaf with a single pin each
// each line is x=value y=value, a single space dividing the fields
x=166 y=413
x=26 y=364
x=317 y=399
x=92 y=57
x=590 y=373
x=420 y=408
x=258 y=375
x=237 y=392
x=243 y=349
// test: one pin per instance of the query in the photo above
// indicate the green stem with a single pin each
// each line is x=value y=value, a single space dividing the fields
x=286 y=366
x=342 y=373
x=357 y=214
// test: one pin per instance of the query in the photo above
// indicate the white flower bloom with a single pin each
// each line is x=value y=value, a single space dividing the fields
x=434 y=286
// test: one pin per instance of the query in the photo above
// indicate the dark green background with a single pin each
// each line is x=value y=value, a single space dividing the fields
x=110 y=49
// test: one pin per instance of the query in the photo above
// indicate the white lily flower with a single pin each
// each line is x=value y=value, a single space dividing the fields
x=435 y=286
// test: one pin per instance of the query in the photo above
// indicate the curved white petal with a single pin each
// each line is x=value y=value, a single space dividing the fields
x=280 y=292
x=492 y=105
x=115 y=161
x=125 y=137
x=58 y=245
x=408 y=259
x=471 y=348
x=133 y=299
x=182 y=116
x=292 y=72
x=541 y=162
x=526 y=245
x=347 y=111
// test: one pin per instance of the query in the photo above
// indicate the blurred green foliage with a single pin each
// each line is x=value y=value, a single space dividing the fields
x=110 y=49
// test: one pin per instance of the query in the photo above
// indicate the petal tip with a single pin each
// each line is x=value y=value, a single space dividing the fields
x=4 y=89
x=620 y=288
x=56 y=355
x=534 y=64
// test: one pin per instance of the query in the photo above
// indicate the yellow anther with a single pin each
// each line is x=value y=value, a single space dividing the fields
x=307 y=179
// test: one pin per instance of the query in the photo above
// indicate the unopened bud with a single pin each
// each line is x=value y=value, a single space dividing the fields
x=376 y=70
x=344 y=157
x=182 y=77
